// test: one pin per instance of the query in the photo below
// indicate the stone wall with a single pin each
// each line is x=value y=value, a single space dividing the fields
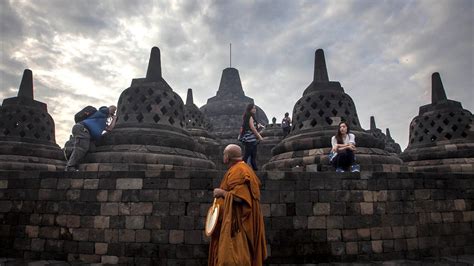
x=157 y=217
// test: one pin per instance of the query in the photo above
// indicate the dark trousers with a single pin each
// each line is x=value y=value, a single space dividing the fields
x=251 y=151
x=344 y=159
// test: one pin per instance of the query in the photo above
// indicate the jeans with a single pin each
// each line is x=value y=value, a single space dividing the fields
x=251 y=151
x=344 y=159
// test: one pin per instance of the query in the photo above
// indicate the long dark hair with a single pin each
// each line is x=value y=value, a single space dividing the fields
x=247 y=115
x=339 y=134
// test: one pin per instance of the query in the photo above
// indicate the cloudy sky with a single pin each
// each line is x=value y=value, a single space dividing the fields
x=383 y=52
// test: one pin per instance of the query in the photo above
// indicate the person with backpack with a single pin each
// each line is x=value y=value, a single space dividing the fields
x=286 y=124
x=89 y=126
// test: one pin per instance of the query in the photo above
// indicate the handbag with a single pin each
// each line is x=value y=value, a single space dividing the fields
x=248 y=136
x=233 y=243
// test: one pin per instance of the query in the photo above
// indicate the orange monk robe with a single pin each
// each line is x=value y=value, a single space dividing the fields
x=240 y=181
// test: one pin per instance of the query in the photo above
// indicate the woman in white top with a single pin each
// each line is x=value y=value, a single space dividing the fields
x=343 y=144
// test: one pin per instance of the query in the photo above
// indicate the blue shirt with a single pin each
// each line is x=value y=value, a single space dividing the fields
x=97 y=122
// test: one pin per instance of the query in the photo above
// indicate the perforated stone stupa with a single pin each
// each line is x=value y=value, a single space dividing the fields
x=390 y=145
x=197 y=124
x=225 y=110
x=316 y=116
x=27 y=133
x=150 y=132
x=442 y=135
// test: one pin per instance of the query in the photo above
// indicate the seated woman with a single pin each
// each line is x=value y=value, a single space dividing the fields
x=343 y=145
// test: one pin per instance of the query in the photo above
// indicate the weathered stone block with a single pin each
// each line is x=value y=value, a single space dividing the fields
x=422 y=194
x=85 y=247
x=352 y=248
x=111 y=235
x=152 y=222
x=129 y=183
x=266 y=210
x=177 y=208
x=3 y=184
x=149 y=195
x=109 y=260
x=49 y=232
x=80 y=234
x=64 y=184
x=126 y=235
x=193 y=237
x=49 y=183
x=304 y=209
x=377 y=246
x=178 y=184
x=410 y=231
x=287 y=196
x=448 y=217
x=460 y=204
x=176 y=236
x=107 y=183
x=412 y=243
x=316 y=222
x=142 y=208
x=143 y=236
x=300 y=222
x=134 y=222
x=367 y=208
x=101 y=221
x=37 y=245
x=321 y=209
x=77 y=183
x=334 y=235
x=32 y=231
x=337 y=208
x=334 y=222
x=91 y=183
x=363 y=233
x=380 y=195
x=278 y=209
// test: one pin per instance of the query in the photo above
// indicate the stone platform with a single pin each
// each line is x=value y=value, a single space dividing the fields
x=156 y=217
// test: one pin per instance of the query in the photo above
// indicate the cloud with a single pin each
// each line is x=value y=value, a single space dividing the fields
x=383 y=53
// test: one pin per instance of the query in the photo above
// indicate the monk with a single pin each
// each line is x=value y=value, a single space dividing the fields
x=239 y=216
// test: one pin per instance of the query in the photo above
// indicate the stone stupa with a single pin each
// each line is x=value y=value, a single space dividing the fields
x=316 y=116
x=150 y=133
x=441 y=136
x=198 y=126
x=225 y=110
x=27 y=133
x=390 y=145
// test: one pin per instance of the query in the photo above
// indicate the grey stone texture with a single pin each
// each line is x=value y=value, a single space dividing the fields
x=150 y=133
x=441 y=136
x=390 y=145
x=309 y=217
x=225 y=110
x=316 y=116
x=27 y=133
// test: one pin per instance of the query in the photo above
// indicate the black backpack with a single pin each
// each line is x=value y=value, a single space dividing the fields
x=84 y=113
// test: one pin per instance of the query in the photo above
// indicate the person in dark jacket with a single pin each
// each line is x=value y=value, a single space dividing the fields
x=90 y=129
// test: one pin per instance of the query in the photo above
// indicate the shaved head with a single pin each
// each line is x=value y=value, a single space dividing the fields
x=232 y=153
